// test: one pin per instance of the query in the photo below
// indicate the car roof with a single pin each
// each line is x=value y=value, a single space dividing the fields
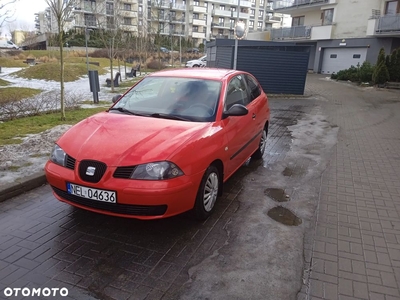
x=201 y=73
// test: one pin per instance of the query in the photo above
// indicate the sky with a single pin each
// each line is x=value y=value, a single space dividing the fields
x=25 y=14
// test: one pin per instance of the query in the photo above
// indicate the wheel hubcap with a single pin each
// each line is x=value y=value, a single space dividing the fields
x=210 y=191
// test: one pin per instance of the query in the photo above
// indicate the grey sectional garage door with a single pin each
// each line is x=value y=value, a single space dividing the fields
x=336 y=59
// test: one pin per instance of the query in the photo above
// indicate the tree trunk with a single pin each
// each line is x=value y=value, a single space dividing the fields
x=61 y=73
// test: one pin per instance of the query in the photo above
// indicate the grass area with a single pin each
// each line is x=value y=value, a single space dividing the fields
x=12 y=131
x=104 y=62
x=90 y=102
x=9 y=94
x=4 y=82
x=11 y=63
x=51 y=71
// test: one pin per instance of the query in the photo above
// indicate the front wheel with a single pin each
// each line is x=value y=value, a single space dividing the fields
x=207 y=193
x=263 y=144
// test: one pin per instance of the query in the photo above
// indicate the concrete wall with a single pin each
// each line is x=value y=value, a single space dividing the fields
x=352 y=16
x=80 y=49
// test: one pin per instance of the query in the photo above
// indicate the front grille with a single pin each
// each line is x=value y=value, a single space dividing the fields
x=98 y=173
x=124 y=172
x=125 y=209
x=70 y=163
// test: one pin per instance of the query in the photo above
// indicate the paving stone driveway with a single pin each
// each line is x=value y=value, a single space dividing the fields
x=355 y=252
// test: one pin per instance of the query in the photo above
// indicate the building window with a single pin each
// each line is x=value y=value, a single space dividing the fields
x=251 y=24
x=222 y=7
x=195 y=28
x=196 y=16
x=356 y=55
x=333 y=56
x=221 y=21
x=110 y=22
x=252 y=12
x=140 y=22
x=109 y=8
x=260 y=13
x=259 y=25
x=127 y=6
x=392 y=7
x=233 y=8
x=196 y=3
x=220 y=31
x=204 y=29
x=90 y=20
x=327 y=16
x=127 y=21
x=298 y=21
x=261 y=2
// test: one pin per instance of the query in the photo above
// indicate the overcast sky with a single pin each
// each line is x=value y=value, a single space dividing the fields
x=25 y=14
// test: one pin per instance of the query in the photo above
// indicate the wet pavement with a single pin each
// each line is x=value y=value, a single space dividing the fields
x=256 y=245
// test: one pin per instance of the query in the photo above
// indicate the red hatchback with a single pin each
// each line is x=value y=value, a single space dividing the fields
x=165 y=147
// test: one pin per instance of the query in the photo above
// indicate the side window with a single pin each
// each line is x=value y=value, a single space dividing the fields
x=254 y=88
x=236 y=93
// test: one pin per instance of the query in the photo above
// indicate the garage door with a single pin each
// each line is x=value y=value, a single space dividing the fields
x=336 y=59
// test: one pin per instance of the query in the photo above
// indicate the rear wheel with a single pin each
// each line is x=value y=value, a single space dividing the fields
x=196 y=66
x=207 y=193
x=263 y=144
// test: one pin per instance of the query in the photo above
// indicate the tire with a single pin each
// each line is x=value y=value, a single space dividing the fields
x=207 y=194
x=263 y=144
x=196 y=66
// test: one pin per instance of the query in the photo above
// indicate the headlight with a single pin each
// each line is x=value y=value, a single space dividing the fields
x=58 y=156
x=157 y=171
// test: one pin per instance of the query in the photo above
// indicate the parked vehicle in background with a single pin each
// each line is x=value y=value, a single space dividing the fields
x=193 y=50
x=165 y=147
x=164 y=50
x=197 y=63
x=5 y=44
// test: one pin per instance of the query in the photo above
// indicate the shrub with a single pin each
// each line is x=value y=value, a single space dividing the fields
x=365 y=72
x=155 y=64
x=381 y=74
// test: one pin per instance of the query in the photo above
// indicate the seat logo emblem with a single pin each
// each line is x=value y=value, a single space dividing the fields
x=90 y=171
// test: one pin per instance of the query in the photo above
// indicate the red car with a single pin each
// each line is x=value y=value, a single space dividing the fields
x=165 y=147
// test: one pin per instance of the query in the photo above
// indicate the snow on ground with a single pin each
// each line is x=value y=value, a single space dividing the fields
x=20 y=160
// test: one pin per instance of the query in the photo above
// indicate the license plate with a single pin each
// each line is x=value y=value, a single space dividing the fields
x=91 y=193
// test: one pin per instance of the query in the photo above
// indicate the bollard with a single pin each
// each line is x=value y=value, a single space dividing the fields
x=94 y=84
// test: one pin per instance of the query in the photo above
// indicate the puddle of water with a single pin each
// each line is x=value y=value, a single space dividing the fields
x=284 y=216
x=277 y=194
x=287 y=172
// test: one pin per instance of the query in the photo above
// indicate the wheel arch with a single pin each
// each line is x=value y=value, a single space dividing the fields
x=220 y=167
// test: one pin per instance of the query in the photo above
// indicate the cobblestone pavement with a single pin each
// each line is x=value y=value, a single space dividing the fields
x=354 y=252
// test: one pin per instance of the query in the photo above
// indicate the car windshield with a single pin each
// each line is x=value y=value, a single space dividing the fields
x=175 y=98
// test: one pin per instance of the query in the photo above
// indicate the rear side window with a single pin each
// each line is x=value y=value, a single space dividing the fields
x=333 y=56
x=254 y=88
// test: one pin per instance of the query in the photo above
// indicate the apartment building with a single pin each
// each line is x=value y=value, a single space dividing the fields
x=340 y=33
x=196 y=19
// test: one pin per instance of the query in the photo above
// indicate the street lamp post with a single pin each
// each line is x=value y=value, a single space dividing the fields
x=86 y=42
x=236 y=40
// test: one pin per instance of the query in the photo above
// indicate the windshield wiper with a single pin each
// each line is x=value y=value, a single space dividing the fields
x=124 y=110
x=167 y=116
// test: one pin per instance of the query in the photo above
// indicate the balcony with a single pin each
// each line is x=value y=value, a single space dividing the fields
x=223 y=25
x=198 y=9
x=127 y=27
x=127 y=13
x=181 y=7
x=198 y=35
x=288 y=6
x=273 y=19
x=384 y=26
x=234 y=3
x=178 y=20
x=199 y=22
x=224 y=13
x=316 y=32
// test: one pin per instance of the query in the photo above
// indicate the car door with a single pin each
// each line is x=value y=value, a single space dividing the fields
x=238 y=129
x=257 y=107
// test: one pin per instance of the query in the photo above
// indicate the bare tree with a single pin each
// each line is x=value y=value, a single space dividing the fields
x=109 y=24
x=7 y=11
x=61 y=10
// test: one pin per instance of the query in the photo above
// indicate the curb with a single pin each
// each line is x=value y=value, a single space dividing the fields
x=21 y=186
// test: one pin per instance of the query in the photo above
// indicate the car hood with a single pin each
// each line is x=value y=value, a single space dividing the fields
x=193 y=61
x=118 y=139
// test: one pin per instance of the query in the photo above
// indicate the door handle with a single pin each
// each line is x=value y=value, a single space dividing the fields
x=254 y=116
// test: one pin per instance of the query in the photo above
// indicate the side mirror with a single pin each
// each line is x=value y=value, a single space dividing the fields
x=236 y=110
x=116 y=98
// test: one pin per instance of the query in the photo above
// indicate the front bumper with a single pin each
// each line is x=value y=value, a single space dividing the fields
x=140 y=199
